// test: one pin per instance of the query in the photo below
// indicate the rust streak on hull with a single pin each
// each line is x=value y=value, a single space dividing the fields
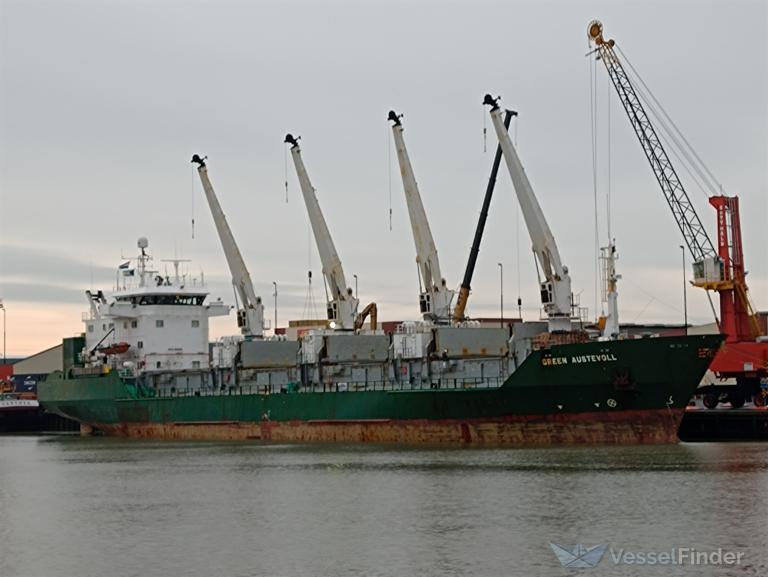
x=619 y=428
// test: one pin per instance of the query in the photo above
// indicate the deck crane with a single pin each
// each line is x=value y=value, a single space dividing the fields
x=474 y=251
x=745 y=354
x=435 y=298
x=342 y=304
x=250 y=315
x=556 y=286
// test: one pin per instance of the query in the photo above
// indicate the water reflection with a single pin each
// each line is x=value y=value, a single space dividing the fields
x=99 y=506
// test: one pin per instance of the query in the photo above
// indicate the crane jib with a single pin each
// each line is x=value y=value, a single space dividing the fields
x=475 y=250
x=458 y=313
x=688 y=221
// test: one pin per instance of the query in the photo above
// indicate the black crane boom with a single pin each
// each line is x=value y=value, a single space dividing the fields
x=458 y=312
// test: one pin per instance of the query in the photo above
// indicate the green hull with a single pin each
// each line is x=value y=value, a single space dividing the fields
x=599 y=392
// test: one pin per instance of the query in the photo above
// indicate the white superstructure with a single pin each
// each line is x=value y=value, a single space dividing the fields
x=153 y=322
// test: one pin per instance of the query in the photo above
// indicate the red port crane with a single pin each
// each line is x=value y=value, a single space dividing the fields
x=744 y=357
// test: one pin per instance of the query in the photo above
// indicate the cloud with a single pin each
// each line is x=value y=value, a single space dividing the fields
x=94 y=156
x=40 y=293
x=33 y=265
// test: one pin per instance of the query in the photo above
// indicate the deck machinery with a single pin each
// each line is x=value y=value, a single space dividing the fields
x=744 y=357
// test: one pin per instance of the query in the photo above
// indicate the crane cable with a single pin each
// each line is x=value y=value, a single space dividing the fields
x=593 y=130
x=703 y=165
x=610 y=168
x=193 y=204
x=310 y=307
x=389 y=174
x=674 y=146
x=674 y=134
x=517 y=239
x=285 y=163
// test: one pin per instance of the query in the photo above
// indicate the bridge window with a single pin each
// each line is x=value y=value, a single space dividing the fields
x=195 y=323
x=187 y=300
x=159 y=323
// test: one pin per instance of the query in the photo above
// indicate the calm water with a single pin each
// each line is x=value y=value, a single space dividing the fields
x=105 y=507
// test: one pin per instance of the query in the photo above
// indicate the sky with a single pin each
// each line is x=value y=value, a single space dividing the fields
x=102 y=105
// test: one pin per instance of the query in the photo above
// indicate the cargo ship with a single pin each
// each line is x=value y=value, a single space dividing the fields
x=422 y=384
x=145 y=370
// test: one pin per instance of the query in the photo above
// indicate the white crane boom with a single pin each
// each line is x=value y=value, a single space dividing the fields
x=342 y=306
x=556 y=288
x=435 y=298
x=250 y=317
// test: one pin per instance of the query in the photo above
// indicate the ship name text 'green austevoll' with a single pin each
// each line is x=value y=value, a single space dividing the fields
x=578 y=359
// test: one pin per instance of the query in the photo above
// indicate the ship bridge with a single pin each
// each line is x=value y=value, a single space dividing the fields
x=151 y=321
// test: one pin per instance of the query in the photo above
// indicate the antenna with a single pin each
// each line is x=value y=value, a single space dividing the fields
x=176 y=262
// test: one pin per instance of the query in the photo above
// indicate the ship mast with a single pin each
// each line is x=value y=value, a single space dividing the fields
x=556 y=286
x=610 y=294
x=342 y=304
x=250 y=315
x=435 y=298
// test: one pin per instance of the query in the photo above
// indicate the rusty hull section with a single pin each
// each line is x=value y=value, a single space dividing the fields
x=618 y=428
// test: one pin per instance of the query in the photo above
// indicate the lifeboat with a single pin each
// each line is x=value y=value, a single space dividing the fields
x=115 y=348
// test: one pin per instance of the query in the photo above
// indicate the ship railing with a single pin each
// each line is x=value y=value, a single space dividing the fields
x=434 y=385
